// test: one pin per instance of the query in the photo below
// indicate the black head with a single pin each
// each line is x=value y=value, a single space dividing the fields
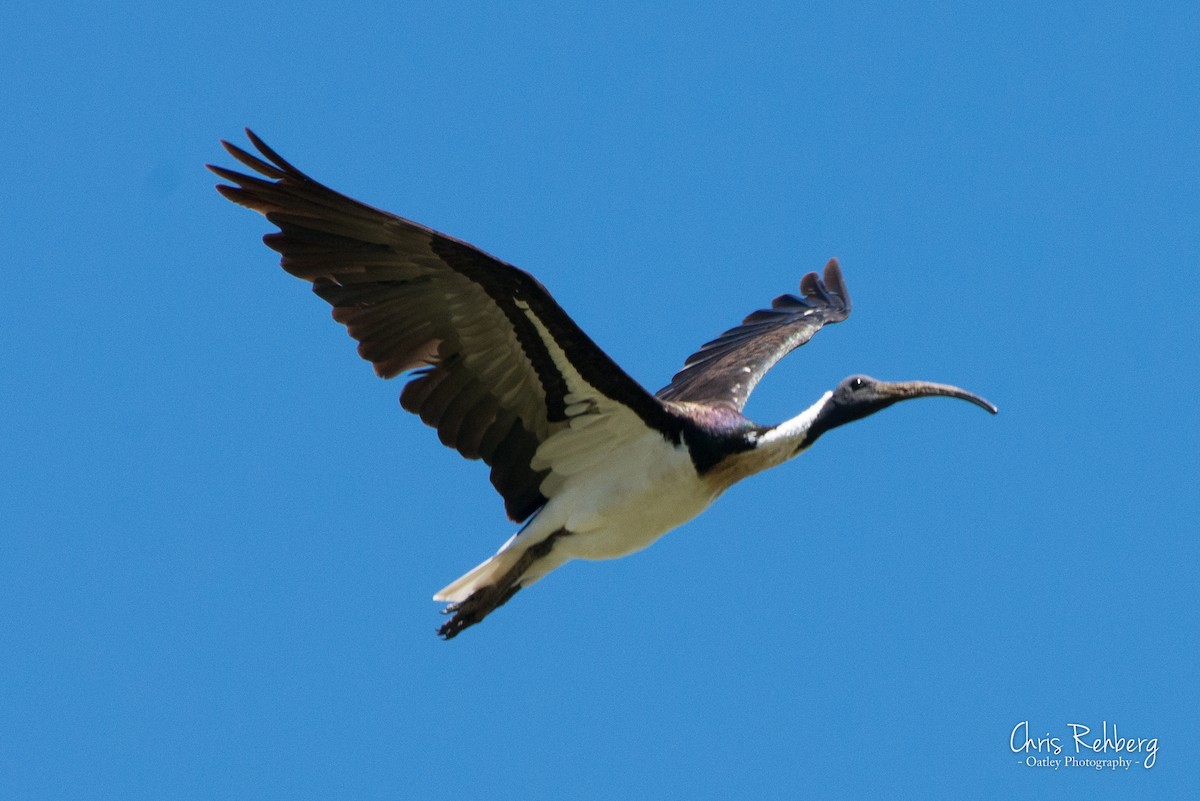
x=860 y=395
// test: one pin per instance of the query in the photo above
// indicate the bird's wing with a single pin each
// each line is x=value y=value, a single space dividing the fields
x=725 y=371
x=500 y=367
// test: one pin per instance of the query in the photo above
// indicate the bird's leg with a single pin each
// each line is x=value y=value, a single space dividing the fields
x=475 y=608
x=486 y=600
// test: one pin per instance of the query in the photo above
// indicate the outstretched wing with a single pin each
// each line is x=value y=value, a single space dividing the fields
x=727 y=369
x=500 y=366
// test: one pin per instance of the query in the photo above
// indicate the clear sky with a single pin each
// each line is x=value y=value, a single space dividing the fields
x=221 y=534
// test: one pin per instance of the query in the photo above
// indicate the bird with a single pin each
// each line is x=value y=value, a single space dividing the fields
x=589 y=463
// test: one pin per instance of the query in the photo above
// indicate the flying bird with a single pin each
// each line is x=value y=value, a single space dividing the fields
x=595 y=466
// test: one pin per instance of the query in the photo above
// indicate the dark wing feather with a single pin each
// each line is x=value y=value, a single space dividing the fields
x=726 y=370
x=416 y=299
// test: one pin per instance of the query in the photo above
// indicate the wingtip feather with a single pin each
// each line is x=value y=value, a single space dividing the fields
x=835 y=282
x=279 y=161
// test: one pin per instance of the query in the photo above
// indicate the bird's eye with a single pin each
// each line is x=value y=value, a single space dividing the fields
x=856 y=383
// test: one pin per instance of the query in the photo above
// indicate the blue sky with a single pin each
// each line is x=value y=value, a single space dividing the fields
x=221 y=533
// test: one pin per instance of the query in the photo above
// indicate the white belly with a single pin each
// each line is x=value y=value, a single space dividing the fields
x=640 y=492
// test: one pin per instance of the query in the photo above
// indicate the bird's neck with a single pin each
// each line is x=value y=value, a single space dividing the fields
x=791 y=437
x=764 y=449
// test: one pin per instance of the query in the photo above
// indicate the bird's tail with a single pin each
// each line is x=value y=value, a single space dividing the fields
x=485 y=588
x=478 y=577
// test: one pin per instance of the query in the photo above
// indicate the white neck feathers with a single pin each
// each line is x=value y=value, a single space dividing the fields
x=787 y=439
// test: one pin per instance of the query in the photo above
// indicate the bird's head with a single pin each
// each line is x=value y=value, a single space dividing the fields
x=859 y=395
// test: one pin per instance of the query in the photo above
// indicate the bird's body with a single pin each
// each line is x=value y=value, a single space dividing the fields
x=596 y=465
x=625 y=500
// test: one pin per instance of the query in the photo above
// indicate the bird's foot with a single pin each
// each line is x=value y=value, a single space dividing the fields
x=475 y=608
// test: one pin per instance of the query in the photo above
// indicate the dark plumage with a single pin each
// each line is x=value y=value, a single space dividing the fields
x=726 y=370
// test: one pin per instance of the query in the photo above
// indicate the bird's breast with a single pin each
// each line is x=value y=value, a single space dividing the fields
x=737 y=466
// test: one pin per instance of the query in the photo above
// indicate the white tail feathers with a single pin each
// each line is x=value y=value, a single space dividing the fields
x=481 y=576
x=539 y=560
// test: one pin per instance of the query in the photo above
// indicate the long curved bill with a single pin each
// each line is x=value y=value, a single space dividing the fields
x=903 y=390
